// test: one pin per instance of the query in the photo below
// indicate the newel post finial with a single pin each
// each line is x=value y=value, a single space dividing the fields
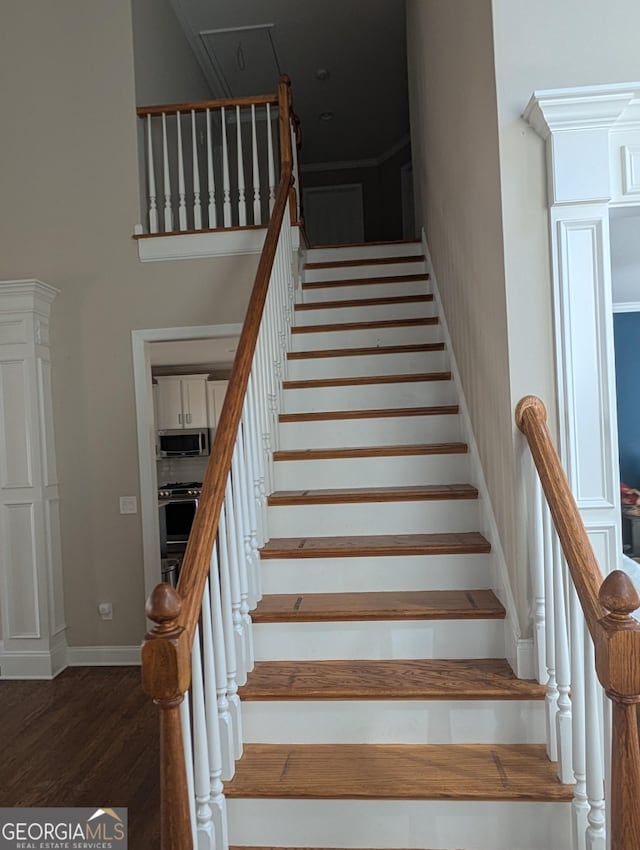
x=166 y=676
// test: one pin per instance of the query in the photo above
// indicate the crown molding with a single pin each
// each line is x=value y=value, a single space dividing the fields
x=373 y=162
x=582 y=108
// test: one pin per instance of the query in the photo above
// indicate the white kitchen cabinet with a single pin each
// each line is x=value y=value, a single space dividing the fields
x=216 y=391
x=182 y=402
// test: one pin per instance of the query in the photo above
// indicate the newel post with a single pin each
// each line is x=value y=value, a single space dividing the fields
x=618 y=664
x=166 y=676
x=286 y=152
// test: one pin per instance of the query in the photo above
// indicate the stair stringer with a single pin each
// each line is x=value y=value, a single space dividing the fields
x=519 y=650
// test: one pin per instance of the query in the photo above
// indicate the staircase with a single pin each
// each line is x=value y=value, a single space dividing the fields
x=381 y=712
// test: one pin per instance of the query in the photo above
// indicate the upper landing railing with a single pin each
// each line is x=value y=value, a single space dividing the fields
x=214 y=164
x=584 y=632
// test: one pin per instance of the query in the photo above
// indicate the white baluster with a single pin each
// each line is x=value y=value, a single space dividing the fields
x=229 y=637
x=226 y=205
x=204 y=821
x=182 y=198
x=296 y=178
x=243 y=561
x=257 y=215
x=214 y=744
x=185 y=723
x=255 y=431
x=270 y=160
x=236 y=593
x=225 y=720
x=242 y=204
x=151 y=171
x=536 y=538
x=168 y=211
x=596 y=831
x=211 y=180
x=551 y=700
x=251 y=526
x=197 y=208
x=563 y=673
x=580 y=805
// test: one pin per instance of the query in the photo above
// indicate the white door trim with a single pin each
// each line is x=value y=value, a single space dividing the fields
x=140 y=340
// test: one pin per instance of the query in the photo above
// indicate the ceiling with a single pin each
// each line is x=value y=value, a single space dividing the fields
x=243 y=45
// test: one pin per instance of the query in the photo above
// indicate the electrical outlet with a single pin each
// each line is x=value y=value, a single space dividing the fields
x=128 y=505
x=105 y=609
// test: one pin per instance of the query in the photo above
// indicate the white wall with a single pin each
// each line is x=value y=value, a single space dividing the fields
x=625 y=255
x=166 y=71
x=69 y=203
x=454 y=138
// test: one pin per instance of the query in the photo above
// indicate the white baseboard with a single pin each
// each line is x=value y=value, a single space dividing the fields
x=34 y=664
x=519 y=651
x=103 y=656
x=190 y=246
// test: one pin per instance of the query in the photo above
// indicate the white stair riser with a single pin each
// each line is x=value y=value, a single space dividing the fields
x=392 y=431
x=353 y=575
x=371 y=471
x=375 y=518
x=369 y=396
x=351 y=365
x=394 y=722
x=366 y=313
x=363 y=252
x=410 y=335
x=363 y=270
x=349 y=292
x=437 y=824
x=468 y=638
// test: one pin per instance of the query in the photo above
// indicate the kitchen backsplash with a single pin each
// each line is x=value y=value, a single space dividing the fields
x=172 y=470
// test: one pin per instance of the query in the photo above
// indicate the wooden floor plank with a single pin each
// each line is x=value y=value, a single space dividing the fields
x=415 y=348
x=367 y=380
x=361 y=495
x=398 y=772
x=361 y=326
x=371 y=451
x=367 y=261
x=422 y=679
x=371 y=413
x=387 y=605
x=365 y=302
x=379 y=545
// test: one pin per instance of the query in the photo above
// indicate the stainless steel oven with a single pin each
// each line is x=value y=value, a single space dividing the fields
x=177 y=505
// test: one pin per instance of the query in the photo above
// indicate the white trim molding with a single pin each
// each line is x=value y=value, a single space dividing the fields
x=593 y=160
x=103 y=656
x=626 y=307
x=194 y=246
x=373 y=162
x=31 y=589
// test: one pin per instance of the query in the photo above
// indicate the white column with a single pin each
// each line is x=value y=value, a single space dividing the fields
x=31 y=591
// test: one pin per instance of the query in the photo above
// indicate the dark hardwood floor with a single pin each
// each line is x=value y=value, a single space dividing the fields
x=89 y=737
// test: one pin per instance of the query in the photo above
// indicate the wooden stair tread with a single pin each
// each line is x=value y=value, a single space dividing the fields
x=366 y=380
x=364 y=281
x=359 y=495
x=423 y=679
x=365 y=302
x=378 y=545
x=371 y=451
x=378 y=605
x=371 y=413
x=367 y=350
x=372 y=325
x=367 y=261
x=398 y=771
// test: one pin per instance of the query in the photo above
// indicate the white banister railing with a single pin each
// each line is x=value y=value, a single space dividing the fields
x=229 y=141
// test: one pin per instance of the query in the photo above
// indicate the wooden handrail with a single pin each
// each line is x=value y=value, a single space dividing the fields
x=166 y=650
x=203 y=105
x=607 y=605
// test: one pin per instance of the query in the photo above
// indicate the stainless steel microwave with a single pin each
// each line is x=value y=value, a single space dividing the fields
x=184 y=442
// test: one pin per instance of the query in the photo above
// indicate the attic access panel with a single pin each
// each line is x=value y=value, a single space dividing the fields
x=244 y=59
